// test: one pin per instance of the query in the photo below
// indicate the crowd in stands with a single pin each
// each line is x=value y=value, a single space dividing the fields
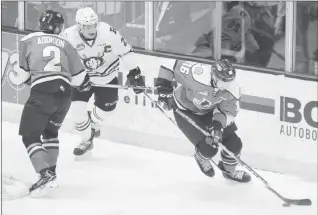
x=252 y=33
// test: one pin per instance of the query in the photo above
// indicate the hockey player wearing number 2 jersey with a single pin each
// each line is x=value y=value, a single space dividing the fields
x=100 y=48
x=209 y=95
x=52 y=65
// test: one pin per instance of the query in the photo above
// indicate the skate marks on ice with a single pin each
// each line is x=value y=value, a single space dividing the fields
x=125 y=180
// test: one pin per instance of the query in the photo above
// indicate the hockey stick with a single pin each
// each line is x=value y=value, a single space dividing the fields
x=160 y=108
x=123 y=87
x=288 y=202
x=171 y=120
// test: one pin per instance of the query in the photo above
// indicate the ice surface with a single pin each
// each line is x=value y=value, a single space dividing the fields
x=125 y=180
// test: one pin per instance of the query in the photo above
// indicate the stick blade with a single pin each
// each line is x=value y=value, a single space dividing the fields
x=300 y=202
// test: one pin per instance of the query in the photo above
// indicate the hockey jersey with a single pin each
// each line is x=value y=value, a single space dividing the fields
x=195 y=93
x=47 y=57
x=101 y=56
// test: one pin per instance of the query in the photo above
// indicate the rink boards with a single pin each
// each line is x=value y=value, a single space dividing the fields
x=277 y=121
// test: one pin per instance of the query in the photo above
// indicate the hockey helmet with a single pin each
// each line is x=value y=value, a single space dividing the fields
x=222 y=70
x=51 y=22
x=87 y=21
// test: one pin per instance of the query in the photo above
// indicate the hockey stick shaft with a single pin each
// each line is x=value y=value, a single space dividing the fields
x=160 y=108
x=123 y=87
x=164 y=113
x=288 y=201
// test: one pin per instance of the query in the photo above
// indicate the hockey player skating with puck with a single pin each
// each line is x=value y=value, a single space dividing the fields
x=51 y=65
x=100 y=48
x=209 y=95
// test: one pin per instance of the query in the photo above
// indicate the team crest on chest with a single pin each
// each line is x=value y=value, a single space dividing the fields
x=93 y=63
x=202 y=104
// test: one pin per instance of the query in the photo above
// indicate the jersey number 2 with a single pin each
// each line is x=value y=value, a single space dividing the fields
x=51 y=66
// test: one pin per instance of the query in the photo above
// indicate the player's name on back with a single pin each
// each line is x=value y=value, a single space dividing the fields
x=54 y=40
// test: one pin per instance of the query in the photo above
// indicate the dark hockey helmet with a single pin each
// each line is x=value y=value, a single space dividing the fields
x=51 y=22
x=223 y=70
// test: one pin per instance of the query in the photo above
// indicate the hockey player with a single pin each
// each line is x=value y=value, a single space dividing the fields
x=210 y=96
x=100 y=48
x=50 y=64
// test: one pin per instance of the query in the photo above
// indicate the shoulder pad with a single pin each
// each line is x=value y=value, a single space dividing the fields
x=103 y=28
x=29 y=36
x=232 y=87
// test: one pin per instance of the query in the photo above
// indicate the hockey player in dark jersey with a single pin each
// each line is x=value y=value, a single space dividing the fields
x=51 y=65
x=209 y=95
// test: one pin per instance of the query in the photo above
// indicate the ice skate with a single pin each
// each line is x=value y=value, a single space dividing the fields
x=235 y=175
x=204 y=164
x=84 y=146
x=45 y=185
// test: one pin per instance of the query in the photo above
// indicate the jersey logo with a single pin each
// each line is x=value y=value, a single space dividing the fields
x=206 y=104
x=198 y=70
x=201 y=73
x=93 y=63
x=205 y=93
x=202 y=104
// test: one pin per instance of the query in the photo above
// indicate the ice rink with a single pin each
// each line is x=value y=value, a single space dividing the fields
x=125 y=180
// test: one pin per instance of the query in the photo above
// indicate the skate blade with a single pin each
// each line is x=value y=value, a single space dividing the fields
x=87 y=155
x=44 y=190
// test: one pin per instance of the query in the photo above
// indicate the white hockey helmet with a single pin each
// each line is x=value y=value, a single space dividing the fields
x=87 y=21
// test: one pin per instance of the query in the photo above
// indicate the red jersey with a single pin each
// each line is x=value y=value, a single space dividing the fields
x=48 y=57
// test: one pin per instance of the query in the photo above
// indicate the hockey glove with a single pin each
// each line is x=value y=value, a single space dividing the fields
x=135 y=79
x=86 y=84
x=216 y=131
x=165 y=90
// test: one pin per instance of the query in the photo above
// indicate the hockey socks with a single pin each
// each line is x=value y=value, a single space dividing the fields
x=38 y=156
x=52 y=148
x=84 y=127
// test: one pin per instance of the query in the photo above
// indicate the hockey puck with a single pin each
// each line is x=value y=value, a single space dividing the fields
x=286 y=205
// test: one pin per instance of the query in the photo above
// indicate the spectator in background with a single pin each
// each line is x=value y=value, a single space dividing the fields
x=179 y=24
x=281 y=19
x=236 y=36
x=262 y=30
x=306 y=36
x=258 y=33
